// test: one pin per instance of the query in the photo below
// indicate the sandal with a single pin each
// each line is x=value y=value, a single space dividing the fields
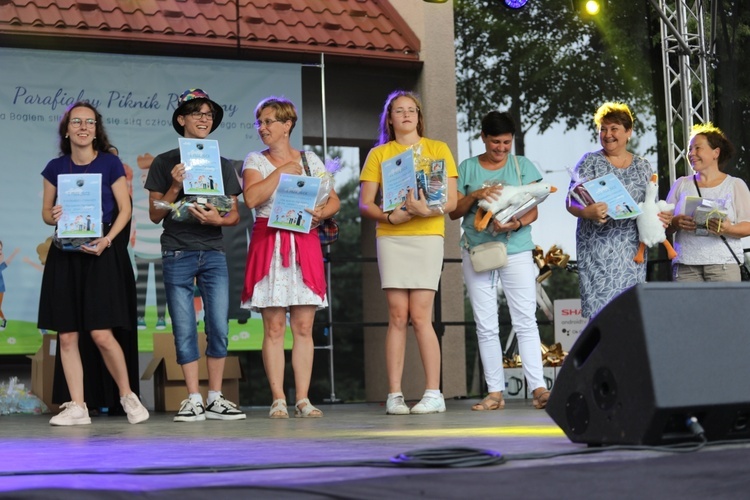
x=541 y=395
x=278 y=409
x=490 y=403
x=305 y=409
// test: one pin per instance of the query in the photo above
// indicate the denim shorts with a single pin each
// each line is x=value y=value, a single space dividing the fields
x=183 y=270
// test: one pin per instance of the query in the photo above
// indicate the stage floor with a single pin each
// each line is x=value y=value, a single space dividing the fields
x=347 y=454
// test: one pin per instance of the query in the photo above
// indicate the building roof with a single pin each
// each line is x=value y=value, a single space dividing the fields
x=347 y=30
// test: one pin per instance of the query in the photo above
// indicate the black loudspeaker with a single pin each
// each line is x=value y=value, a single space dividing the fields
x=653 y=358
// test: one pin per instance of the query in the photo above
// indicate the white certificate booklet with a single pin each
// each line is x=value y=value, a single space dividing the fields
x=81 y=198
x=294 y=194
x=398 y=177
x=609 y=189
x=202 y=166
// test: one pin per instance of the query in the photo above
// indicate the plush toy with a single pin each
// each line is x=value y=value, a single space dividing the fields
x=508 y=196
x=650 y=228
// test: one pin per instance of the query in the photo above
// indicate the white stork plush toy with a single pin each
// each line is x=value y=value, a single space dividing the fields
x=508 y=196
x=651 y=231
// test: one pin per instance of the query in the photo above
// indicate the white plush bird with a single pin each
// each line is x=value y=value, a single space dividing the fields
x=507 y=197
x=651 y=230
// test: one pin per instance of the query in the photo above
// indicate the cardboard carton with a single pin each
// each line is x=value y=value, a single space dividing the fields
x=169 y=382
x=515 y=384
x=43 y=370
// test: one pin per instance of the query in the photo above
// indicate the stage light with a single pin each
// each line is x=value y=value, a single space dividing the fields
x=592 y=7
x=515 y=4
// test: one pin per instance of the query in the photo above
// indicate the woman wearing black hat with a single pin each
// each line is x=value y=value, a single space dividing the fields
x=193 y=253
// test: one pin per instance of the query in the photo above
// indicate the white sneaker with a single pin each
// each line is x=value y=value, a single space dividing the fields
x=395 y=405
x=190 y=412
x=134 y=408
x=429 y=404
x=71 y=414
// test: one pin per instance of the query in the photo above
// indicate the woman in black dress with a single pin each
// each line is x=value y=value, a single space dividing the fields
x=88 y=294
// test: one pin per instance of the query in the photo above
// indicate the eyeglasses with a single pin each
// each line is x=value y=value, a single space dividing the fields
x=199 y=114
x=403 y=111
x=77 y=122
x=267 y=122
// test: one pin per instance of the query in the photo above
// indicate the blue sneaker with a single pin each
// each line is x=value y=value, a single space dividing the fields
x=160 y=323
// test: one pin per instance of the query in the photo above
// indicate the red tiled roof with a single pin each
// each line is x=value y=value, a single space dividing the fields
x=281 y=29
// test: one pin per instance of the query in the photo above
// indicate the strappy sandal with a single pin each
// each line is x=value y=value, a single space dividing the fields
x=305 y=409
x=541 y=395
x=490 y=403
x=278 y=409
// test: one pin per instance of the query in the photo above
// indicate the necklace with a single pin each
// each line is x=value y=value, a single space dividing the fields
x=96 y=153
x=623 y=163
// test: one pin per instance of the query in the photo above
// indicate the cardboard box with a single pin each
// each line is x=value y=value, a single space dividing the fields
x=43 y=370
x=568 y=322
x=515 y=384
x=169 y=383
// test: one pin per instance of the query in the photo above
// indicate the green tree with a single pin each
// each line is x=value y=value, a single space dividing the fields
x=731 y=82
x=546 y=64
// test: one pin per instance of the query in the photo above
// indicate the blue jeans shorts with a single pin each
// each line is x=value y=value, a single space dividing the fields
x=183 y=269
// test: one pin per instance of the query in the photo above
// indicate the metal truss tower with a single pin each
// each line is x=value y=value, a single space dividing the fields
x=686 y=86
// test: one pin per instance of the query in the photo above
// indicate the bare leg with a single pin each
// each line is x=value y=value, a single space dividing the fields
x=70 y=357
x=215 y=372
x=303 y=350
x=395 y=338
x=190 y=372
x=274 y=326
x=114 y=358
x=420 y=310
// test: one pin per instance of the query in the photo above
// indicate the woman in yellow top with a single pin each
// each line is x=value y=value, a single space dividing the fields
x=410 y=248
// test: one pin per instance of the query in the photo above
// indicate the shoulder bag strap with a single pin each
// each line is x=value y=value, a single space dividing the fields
x=518 y=170
x=723 y=238
x=304 y=164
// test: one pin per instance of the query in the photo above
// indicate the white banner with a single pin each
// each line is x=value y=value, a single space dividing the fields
x=136 y=96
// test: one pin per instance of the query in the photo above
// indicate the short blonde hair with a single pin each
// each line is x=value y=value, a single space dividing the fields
x=284 y=109
x=615 y=112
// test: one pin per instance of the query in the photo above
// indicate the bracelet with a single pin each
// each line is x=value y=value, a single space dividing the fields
x=520 y=225
x=109 y=242
x=388 y=217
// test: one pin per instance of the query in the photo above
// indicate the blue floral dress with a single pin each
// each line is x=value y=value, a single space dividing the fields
x=605 y=251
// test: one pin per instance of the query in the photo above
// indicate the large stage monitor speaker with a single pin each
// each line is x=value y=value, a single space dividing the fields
x=656 y=356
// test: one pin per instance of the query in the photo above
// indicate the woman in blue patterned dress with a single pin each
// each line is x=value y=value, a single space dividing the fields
x=606 y=247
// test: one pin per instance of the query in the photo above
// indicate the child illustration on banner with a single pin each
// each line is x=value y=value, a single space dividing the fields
x=42 y=250
x=4 y=263
x=147 y=250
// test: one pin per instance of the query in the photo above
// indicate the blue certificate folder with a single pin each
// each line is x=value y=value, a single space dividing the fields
x=294 y=194
x=609 y=189
x=81 y=198
x=398 y=177
x=202 y=166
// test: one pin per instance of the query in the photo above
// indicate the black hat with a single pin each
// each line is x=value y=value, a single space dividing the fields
x=189 y=95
